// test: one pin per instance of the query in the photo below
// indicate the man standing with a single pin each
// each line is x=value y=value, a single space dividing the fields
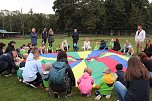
x=140 y=38
x=75 y=36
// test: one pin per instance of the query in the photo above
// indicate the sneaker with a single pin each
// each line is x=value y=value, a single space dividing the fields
x=98 y=97
x=7 y=74
x=33 y=86
x=88 y=95
x=56 y=95
x=20 y=80
x=108 y=96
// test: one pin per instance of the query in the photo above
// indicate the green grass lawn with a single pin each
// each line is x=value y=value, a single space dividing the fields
x=12 y=90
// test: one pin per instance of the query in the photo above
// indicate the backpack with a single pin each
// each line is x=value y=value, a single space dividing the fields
x=57 y=74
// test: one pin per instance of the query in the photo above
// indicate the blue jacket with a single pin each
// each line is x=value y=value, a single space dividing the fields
x=32 y=67
x=34 y=38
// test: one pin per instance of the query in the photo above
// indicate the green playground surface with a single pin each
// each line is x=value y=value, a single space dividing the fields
x=12 y=90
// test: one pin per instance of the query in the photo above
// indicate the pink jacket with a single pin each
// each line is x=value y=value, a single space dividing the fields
x=85 y=83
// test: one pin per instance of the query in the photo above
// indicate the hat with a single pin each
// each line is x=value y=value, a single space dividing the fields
x=107 y=70
x=47 y=66
x=109 y=78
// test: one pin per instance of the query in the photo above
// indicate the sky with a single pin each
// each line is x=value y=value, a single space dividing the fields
x=38 y=6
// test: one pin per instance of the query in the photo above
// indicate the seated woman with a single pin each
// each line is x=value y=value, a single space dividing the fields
x=148 y=48
x=32 y=72
x=65 y=46
x=86 y=45
x=116 y=45
x=61 y=76
x=137 y=82
x=103 y=45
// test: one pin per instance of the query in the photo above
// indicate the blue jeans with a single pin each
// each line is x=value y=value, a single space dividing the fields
x=120 y=90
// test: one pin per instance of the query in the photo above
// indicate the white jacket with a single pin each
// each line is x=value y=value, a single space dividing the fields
x=141 y=37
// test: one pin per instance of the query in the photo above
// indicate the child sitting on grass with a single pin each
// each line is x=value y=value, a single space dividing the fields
x=47 y=68
x=105 y=86
x=97 y=46
x=120 y=73
x=21 y=67
x=86 y=45
x=85 y=82
x=49 y=49
x=111 y=44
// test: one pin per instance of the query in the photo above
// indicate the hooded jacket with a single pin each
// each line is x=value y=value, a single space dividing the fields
x=32 y=67
x=85 y=83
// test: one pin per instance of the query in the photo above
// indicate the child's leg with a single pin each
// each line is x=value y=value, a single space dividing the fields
x=120 y=90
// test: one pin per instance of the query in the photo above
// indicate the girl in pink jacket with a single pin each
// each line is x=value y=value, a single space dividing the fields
x=85 y=82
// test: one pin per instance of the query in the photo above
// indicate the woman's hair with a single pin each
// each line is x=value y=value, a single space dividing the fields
x=88 y=70
x=142 y=55
x=136 y=70
x=50 y=32
x=2 y=45
x=62 y=55
x=34 y=49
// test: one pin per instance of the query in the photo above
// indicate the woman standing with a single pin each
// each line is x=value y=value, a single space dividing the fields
x=50 y=37
x=34 y=37
x=137 y=82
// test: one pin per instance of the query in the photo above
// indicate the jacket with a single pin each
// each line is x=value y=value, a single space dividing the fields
x=32 y=67
x=9 y=48
x=121 y=75
x=75 y=36
x=140 y=36
x=85 y=83
x=44 y=35
x=8 y=57
x=1 y=51
x=34 y=38
x=138 y=90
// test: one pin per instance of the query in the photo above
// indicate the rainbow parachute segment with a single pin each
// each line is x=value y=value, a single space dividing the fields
x=97 y=60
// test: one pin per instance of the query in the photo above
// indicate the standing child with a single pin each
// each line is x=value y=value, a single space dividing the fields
x=65 y=46
x=34 y=37
x=120 y=73
x=85 y=82
x=106 y=85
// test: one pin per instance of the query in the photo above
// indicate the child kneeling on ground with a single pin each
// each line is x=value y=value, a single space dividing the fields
x=105 y=86
x=47 y=68
x=85 y=82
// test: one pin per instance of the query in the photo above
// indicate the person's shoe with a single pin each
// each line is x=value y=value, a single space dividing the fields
x=88 y=95
x=108 y=96
x=7 y=74
x=33 y=86
x=98 y=97
x=70 y=94
x=20 y=80
x=56 y=95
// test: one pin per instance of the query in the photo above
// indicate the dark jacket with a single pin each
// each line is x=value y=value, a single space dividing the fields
x=103 y=45
x=138 y=90
x=121 y=75
x=1 y=51
x=9 y=48
x=44 y=35
x=148 y=50
x=75 y=37
x=116 y=46
x=8 y=57
x=69 y=70
x=148 y=64
x=34 y=38
x=50 y=38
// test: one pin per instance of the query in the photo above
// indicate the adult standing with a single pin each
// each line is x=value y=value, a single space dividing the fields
x=75 y=36
x=140 y=38
x=50 y=37
x=34 y=37
x=44 y=36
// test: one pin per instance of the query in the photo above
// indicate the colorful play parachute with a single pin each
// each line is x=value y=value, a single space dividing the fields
x=97 y=60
